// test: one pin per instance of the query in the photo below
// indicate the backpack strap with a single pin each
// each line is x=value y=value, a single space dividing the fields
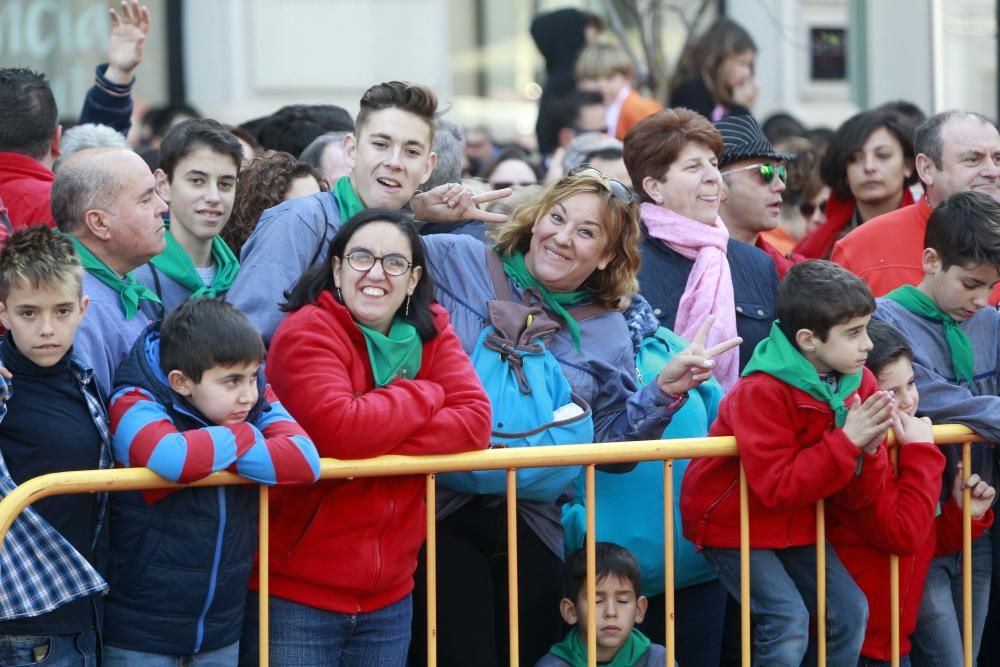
x=587 y=311
x=501 y=285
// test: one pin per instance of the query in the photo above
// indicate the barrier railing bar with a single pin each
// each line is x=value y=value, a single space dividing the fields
x=967 y=555
x=431 y=550
x=668 y=555
x=590 y=543
x=894 y=585
x=821 y=583
x=744 y=570
x=263 y=595
x=515 y=640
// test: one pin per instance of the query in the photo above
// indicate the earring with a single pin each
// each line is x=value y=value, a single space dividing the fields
x=340 y=297
x=406 y=313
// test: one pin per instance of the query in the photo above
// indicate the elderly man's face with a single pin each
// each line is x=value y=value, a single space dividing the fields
x=135 y=215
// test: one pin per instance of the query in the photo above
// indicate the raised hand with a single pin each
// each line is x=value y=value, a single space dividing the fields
x=981 y=493
x=693 y=365
x=451 y=202
x=867 y=422
x=127 y=42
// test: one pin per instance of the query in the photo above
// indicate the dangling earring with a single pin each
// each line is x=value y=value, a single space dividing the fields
x=340 y=297
x=406 y=313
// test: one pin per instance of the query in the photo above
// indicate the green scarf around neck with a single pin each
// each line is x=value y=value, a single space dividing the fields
x=514 y=266
x=959 y=343
x=130 y=291
x=777 y=356
x=348 y=202
x=177 y=265
x=394 y=356
x=573 y=650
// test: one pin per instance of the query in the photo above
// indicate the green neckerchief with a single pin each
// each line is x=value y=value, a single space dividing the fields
x=778 y=357
x=395 y=355
x=513 y=266
x=347 y=201
x=959 y=343
x=177 y=265
x=129 y=289
x=574 y=651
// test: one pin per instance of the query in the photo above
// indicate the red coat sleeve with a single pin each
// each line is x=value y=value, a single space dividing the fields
x=948 y=528
x=310 y=366
x=781 y=471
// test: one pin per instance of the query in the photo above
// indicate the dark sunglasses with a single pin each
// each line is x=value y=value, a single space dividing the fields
x=619 y=190
x=767 y=171
x=500 y=185
x=807 y=208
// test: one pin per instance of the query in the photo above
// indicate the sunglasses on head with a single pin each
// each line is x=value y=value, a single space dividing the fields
x=807 y=208
x=767 y=171
x=619 y=190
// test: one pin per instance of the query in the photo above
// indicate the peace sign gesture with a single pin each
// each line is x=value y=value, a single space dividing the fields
x=452 y=202
x=693 y=365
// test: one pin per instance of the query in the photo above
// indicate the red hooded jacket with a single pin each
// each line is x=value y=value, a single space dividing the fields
x=351 y=545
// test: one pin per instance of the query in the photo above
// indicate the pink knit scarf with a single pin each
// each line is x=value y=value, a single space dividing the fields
x=709 y=288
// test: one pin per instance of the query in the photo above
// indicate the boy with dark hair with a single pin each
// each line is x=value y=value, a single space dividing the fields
x=618 y=606
x=809 y=423
x=191 y=401
x=199 y=164
x=390 y=156
x=901 y=520
x=956 y=350
x=53 y=420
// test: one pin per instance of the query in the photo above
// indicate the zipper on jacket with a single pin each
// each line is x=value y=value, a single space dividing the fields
x=378 y=546
x=711 y=508
x=210 y=597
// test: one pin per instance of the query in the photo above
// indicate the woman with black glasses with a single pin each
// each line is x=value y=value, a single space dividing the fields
x=574 y=250
x=368 y=365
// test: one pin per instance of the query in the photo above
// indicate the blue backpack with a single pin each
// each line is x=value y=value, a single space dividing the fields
x=533 y=403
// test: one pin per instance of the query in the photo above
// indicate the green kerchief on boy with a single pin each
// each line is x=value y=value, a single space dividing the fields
x=958 y=341
x=347 y=200
x=395 y=355
x=514 y=266
x=130 y=291
x=777 y=356
x=177 y=265
x=573 y=650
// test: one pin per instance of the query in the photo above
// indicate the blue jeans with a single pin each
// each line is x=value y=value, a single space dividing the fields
x=904 y=661
x=698 y=622
x=302 y=635
x=79 y=650
x=122 y=657
x=937 y=639
x=783 y=596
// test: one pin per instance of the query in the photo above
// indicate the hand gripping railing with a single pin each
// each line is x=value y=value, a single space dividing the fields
x=667 y=451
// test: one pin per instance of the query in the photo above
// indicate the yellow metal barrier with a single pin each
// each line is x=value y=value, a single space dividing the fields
x=95 y=481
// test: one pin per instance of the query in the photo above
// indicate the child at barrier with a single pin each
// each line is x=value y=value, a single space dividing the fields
x=809 y=422
x=956 y=350
x=901 y=520
x=199 y=163
x=53 y=420
x=191 y=401
x=618 y=605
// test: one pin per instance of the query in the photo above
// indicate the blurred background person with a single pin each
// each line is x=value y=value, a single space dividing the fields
x=715 y=75
x=607 y=69
x=326 y=153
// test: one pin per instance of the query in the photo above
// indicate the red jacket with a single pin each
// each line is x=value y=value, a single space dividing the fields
x=351 y=545
x=26 y=187
x=818 y=243
x=781 y=262
x=899 y=521
x=793 y=456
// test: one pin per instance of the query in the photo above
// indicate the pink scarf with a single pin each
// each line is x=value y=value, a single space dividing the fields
x=709 y=289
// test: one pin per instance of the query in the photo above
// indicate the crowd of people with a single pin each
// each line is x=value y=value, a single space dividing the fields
x=306 y=285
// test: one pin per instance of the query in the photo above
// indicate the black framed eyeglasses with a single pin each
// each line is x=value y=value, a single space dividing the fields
x=619 y=190
x=767 y=171
x=392 y=264
x=807 y=208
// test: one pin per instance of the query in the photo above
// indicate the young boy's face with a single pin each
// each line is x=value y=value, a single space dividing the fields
x=618 y=610
x=43 y=321
x=845 y=349
x=897 y=377
x=225 y=394
x=200 y=194
x=960 y=291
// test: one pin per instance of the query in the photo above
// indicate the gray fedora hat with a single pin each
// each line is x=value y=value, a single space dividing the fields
x=742 y=139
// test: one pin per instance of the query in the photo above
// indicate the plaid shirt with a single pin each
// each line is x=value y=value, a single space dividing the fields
x=39 y=569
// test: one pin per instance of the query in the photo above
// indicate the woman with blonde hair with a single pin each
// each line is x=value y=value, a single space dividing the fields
x=575 y=246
